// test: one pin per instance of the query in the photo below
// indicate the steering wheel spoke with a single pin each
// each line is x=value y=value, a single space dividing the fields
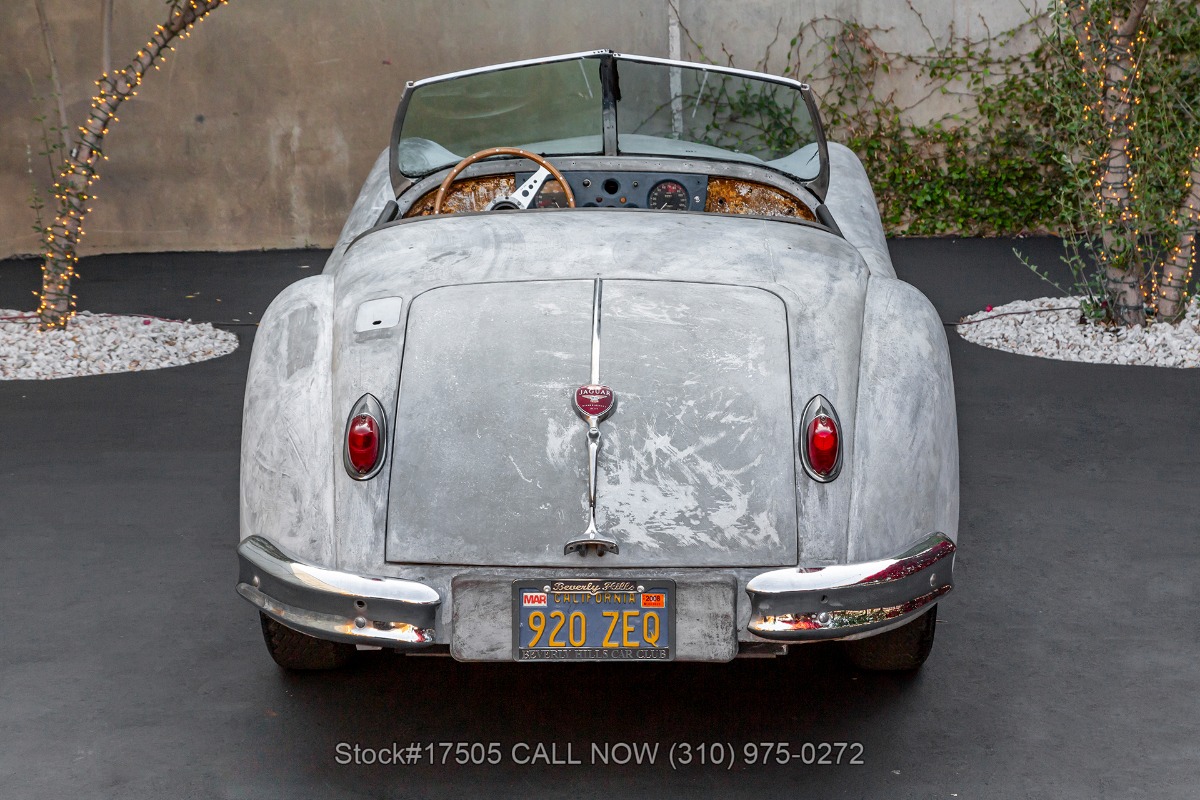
x=525 y=193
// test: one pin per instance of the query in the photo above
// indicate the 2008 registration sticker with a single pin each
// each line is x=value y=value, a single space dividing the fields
x=594 y=619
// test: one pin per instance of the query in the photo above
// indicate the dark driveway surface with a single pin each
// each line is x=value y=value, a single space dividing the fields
x=1067 y=663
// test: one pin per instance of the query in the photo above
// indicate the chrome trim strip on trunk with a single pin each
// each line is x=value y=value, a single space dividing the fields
x=591 y=538
x=341 y=606
x=597 y=290
x=842 y=600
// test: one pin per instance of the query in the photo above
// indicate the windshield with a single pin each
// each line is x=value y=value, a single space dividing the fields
x=558 y=108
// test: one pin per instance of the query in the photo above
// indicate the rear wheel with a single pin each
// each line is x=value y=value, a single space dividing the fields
x=903 y=648
x=294 y=650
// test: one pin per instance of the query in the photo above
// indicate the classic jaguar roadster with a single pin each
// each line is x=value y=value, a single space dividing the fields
x=609 y=363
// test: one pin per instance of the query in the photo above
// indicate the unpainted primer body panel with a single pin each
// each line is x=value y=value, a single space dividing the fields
x=851 y=201
x=820 y=279
x=287 y=464
x=905 y=476
x=696 y=466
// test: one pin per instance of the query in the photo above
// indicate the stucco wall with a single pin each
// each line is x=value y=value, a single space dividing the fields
x=258 y=131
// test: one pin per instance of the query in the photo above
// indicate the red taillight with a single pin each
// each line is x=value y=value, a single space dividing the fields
x=366 y=439
x=822 y=444
x=362 y=443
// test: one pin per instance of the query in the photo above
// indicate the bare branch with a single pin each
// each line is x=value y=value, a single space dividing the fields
x=44 y=24
x=106 y=26
x=1134 y=20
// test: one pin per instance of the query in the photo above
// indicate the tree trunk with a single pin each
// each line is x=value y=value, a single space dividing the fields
x=1123 y=270
x=1176 y=271
x=72 y=191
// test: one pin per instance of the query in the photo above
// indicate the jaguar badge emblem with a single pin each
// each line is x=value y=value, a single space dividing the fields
x=594 y=400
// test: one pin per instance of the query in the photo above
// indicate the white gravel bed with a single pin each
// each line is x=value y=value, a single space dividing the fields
x=98 y=344
x=1058 y=334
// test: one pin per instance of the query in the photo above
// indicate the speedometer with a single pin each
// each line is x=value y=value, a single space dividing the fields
x=668 y=196
x=551 y=196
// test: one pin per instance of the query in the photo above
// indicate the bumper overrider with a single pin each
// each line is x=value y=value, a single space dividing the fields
x=788 y=605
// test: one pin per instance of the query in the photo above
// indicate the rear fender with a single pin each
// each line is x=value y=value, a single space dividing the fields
x=852 y=204
x=905 y=476
x=287 y=453
x=372 y=198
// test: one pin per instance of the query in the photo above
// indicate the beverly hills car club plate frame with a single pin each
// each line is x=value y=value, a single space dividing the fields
x=594 y=619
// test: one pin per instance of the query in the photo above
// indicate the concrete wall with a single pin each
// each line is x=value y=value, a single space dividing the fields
x=258 y=131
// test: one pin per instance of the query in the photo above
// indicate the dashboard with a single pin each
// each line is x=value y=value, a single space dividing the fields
x=655 y=190
x=612 y=189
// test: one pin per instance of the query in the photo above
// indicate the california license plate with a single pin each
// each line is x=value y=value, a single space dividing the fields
x=594 y=619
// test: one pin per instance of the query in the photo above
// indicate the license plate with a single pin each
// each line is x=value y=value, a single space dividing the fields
x=593 y=619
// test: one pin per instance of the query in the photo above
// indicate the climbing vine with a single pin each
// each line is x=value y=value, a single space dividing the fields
x=1083 y=121
x=978 y=171
x=997 y=164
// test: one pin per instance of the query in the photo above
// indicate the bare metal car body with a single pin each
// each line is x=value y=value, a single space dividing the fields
x=766 y=297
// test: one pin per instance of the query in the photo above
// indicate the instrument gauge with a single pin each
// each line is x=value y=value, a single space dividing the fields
x=668 y=196
x=551 y=196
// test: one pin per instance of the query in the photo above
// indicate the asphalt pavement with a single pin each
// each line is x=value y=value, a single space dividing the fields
x=1067 y=661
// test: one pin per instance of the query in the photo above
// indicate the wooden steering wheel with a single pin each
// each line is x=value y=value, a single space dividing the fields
x=524 y=194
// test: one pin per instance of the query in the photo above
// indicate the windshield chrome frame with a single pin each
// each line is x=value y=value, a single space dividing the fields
x=818 y=185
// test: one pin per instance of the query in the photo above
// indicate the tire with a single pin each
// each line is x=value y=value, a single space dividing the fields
x=299 y=651
x=903 y=648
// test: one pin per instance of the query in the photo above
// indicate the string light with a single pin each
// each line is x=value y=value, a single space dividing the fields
x=72 y=189
x=1173 y=290
x=1115 y=190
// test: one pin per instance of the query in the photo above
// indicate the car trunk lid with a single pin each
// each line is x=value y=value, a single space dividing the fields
x=697 y=466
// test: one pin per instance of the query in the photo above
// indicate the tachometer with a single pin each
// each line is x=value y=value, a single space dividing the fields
x=668 y=196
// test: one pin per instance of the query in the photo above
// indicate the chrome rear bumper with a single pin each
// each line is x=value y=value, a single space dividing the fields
x=845 y=601
x=386 y=612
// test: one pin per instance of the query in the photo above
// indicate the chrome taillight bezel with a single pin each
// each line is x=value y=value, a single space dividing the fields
x=819 y=406
x=367 y=405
